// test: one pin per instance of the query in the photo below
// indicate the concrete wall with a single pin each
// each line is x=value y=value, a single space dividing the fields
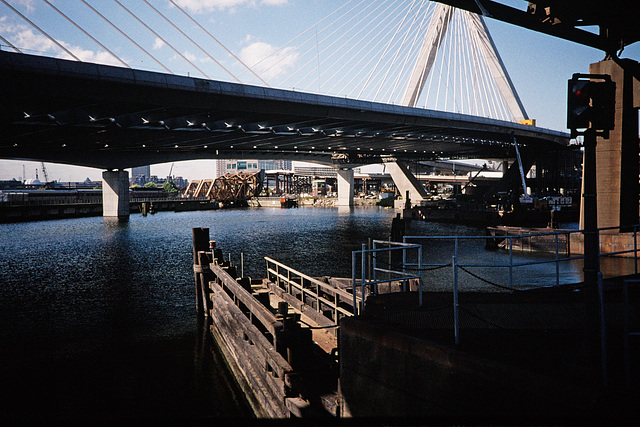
x=385 y=373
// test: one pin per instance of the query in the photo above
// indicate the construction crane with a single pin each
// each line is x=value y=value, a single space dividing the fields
x=170 y=170
x=44 y=173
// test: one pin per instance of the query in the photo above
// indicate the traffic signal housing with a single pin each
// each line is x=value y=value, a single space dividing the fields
x=591 y=103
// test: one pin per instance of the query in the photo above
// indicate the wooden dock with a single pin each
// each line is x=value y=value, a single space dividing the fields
x=278 y=335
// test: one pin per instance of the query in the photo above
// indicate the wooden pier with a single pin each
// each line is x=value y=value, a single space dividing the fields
x=278 y=335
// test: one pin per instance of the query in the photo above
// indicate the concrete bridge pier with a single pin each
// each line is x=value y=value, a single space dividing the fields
x=617 y=156
x=345 y=186
x=115 y=194
x=406 y=183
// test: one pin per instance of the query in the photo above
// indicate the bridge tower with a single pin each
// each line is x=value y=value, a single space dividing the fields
x=432 y=40
x=480 y=35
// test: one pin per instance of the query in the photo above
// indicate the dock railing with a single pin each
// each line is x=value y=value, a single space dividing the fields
x=393 y=271
x=512 y=243
x=311 y=290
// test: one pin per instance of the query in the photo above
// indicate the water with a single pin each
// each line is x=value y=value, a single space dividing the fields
x=98 y=317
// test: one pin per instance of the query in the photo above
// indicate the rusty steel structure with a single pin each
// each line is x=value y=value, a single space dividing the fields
x=230 y=187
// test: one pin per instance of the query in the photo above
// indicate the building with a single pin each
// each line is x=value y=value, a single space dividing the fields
x=141 y=175
x=250 y=165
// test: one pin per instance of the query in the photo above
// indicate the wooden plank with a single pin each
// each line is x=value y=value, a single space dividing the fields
x=259 y=311
x=276 y=360
x=250 y=359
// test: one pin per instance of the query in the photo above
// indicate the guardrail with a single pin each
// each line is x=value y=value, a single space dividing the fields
x=371 y=257
x=457 y=265
x=307 y=288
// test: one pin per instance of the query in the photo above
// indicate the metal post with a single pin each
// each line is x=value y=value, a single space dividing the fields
x=404 y=269
x=364 y=270
x=242 y=264
x=511 y=263
x=591 y=244
x=557 y=262
x=420 y=274
x=456 y=324
x=627 y=360
x=603 y=331
x=375 y=262
x=353 y=282
x=635 y=248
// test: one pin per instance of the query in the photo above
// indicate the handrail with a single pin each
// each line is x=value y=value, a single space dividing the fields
x=338 y=294
x=511 y=264
x=260 y=312
x=373 y=282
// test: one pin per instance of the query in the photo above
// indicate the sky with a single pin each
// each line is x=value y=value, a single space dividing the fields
x=238 y=32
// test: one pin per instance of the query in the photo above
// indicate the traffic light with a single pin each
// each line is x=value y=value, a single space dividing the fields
x=591 y=103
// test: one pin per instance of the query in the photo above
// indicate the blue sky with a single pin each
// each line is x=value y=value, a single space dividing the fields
x=539 y=65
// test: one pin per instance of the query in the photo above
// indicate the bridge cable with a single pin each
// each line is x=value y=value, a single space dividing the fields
x=332 y=33
x=372 y=58
x=163 y=40
x=220 y=44
x=387 y=47
x=341 y=47
x=41 y=31
x=396 y=52
x=359 y=54
x=126 y=36
x=192 y=41
x=9 y=44
x=410 y=50
x=300 y=35
x=86 y=33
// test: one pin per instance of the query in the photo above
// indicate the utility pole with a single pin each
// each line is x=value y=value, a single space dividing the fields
x=590 y=112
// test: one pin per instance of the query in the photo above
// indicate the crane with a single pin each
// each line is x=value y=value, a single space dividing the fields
x=170 y=170
x=44 y=173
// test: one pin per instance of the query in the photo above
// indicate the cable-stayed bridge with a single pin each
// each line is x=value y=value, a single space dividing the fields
x=432 y=87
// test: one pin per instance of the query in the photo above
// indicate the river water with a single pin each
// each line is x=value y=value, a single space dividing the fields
x=98 y=317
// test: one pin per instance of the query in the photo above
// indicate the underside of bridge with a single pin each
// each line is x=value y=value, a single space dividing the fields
x=114 y=118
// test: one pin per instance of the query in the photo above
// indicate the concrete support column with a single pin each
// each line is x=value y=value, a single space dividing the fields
x=115 y=194
x=405 y=182
x=345 y=187
x=617 y=156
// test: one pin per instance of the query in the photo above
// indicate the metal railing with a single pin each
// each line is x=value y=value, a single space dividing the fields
x=393 y=276
x=310 y=288
x=512 y=264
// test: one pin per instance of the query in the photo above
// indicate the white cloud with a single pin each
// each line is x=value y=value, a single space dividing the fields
x=202 y=6
x=28 y=41
x=267 y=60
x=158 y=43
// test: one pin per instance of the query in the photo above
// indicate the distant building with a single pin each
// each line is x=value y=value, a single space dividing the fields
x=141 y=175
x=250 y=165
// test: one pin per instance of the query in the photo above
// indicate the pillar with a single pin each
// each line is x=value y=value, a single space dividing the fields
x=115 y=194
x=405 y=182
x=345 y=187
x=617 y=156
